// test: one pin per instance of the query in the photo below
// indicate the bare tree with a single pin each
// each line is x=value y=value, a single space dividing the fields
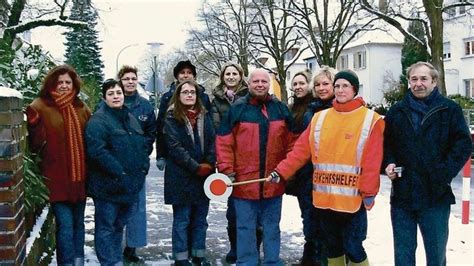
x=278 y=38
x=224 y=37
x=328 y=26
x=430 y=15
x=23 y=17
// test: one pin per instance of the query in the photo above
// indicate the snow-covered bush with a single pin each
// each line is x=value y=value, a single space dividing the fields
x=16 y=71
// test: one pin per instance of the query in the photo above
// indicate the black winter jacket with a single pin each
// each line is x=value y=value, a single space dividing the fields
x=431 y=157
x=182 y=184
x=117 y=159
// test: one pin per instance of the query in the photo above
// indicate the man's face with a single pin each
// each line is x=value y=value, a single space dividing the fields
x=259 y=84
x=129 y=81
x=185 y=74
x=421 y=82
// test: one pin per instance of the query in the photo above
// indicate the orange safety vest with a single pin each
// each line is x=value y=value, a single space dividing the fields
x=337 y=142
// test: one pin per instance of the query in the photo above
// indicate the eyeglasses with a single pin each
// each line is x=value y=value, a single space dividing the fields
x=188 y=92
x=127 y=79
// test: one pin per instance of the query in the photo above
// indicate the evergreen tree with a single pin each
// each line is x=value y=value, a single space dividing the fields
x=83 y=50
x=412 y=52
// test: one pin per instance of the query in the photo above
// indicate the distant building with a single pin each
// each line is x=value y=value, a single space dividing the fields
x=376 y=58
x=458 y=51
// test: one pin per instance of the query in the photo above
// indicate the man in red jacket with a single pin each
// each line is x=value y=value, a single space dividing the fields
x=254 y=137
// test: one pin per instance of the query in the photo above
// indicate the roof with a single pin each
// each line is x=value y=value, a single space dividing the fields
x=377 y=36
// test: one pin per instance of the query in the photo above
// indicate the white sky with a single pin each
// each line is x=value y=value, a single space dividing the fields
x=125 y=22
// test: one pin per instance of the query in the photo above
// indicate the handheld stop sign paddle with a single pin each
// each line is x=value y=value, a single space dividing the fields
x=219 y=187
x=216 y=187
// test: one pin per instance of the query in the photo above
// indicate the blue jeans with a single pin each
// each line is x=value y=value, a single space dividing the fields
x=434 y=228
x=344 y=233
x=136 y=228
x=189 y=230
x=110 y=219
x=70 y=231
x=250 y=213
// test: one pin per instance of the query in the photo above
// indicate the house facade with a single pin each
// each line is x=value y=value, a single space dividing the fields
x=458 y=51
x=375 y=56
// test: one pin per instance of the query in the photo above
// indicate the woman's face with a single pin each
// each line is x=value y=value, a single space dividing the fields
x=64 y=84
x=323 y=88
x=344 y=90
x=187 y=96
x=114 y=97
x=300 y=86
x=232 y=77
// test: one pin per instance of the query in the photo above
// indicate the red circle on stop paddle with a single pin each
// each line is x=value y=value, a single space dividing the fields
x=218 y=187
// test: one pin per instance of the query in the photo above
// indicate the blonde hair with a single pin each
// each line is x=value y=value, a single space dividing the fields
x=324 y=71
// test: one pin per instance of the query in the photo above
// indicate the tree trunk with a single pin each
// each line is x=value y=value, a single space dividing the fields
x=435 y=15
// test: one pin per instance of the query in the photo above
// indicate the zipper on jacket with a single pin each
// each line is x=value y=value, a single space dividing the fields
x=439 y=108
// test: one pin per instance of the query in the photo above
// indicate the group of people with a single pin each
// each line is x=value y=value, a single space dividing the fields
x=327 y=148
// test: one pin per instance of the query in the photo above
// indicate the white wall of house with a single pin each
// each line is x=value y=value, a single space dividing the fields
x=378 y=72
x=458 y=55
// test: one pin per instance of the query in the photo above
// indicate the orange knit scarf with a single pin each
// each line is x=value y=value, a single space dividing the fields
x=75 y=140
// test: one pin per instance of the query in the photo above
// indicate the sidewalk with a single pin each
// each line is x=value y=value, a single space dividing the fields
x=379 y=243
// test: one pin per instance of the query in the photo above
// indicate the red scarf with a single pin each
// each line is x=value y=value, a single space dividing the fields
x=192 y=115
x=74 y=135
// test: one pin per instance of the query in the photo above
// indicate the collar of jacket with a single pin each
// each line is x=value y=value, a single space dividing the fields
x=219 y=91
x=348 y=106
x=253 y=101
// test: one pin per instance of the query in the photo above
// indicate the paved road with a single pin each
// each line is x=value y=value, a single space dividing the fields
x=158 y=251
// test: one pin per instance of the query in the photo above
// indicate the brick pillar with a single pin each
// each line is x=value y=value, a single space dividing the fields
x=12 y=228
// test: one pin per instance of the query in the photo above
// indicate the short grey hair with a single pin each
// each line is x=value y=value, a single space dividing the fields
x=433 y=71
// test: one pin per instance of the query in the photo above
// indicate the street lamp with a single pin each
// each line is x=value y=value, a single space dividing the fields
x=118 y=55
x=154 y=50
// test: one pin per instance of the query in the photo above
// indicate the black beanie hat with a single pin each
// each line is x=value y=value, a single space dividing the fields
x=350 y=76
x=182 y=65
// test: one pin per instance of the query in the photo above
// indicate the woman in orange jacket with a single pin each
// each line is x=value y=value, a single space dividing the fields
x=345 y=146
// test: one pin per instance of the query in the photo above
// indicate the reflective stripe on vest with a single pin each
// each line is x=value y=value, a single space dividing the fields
x=337 y=168
x=337 y=190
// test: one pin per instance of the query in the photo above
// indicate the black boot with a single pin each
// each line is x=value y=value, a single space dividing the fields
x=231 y=256
x=200 y=261
x=130 y=255
x=182 y=263
x=309 y=255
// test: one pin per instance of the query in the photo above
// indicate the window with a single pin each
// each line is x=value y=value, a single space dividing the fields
x=343 y=62
x=451 y=12
x=310 y=66
x=469 y=47
x=446 y=50
x=462 y=10
x=469 y=86
x=359 y=60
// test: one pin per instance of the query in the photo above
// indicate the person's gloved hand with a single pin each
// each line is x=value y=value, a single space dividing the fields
x=231 y=177
x=369 y=202
x=204 y=169
x=161 y=163
x=274 y=177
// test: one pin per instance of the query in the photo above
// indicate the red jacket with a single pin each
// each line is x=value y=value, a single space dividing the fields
x=253 y=138
x=47 y=137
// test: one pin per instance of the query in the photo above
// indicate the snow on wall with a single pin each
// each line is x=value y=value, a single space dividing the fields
x=7 y=92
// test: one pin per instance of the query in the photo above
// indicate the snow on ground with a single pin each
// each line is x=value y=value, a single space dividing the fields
x=379 y=243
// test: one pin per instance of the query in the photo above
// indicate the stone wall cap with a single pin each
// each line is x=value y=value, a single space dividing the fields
x=7 y=92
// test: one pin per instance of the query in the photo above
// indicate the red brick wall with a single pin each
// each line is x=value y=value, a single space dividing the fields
x=12 y=229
